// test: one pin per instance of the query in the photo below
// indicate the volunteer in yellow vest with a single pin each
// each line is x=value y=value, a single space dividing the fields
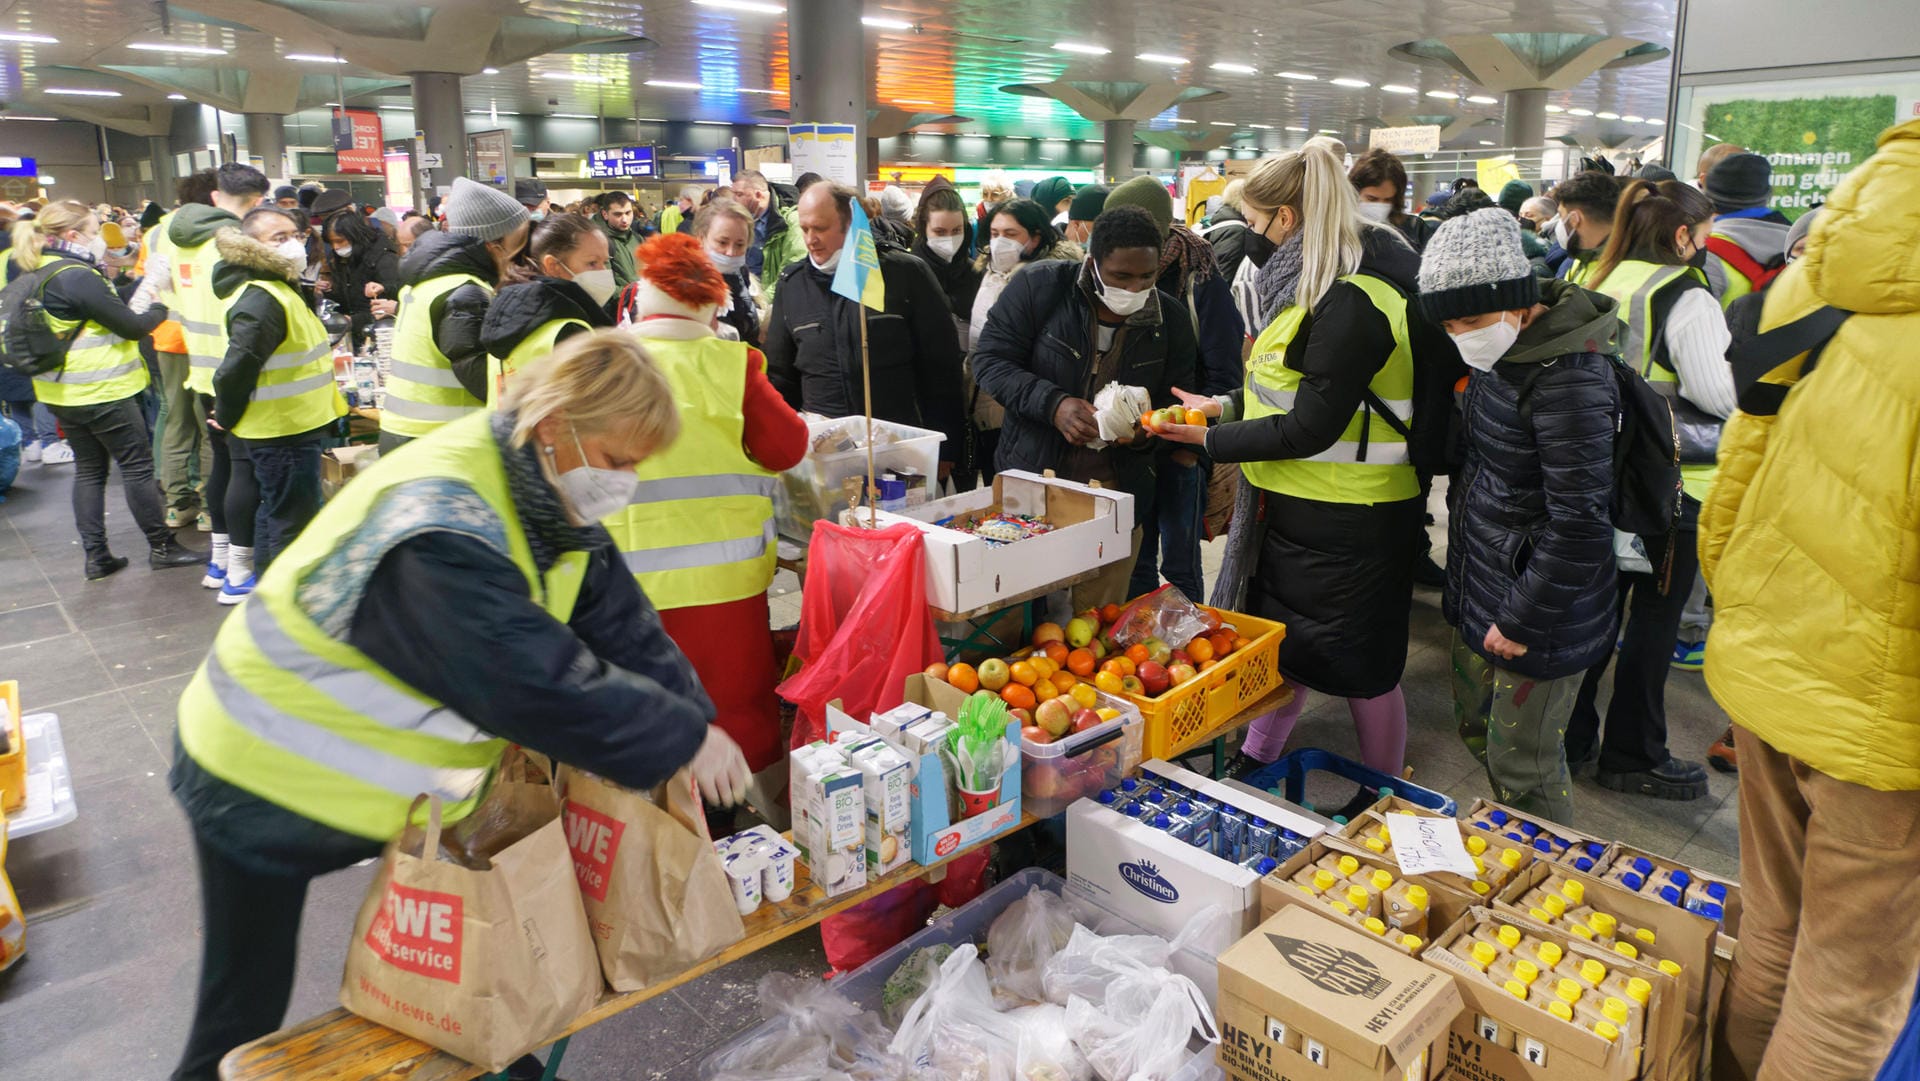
x=1586 y=218
x=274 y=394
x=569 y=296
x=183 y=456
x=698 y=533
x=439 y=369
x=95 y=391
x=1749 y=238
x=1674 y=335
x=1334 y=558
x=456 y=597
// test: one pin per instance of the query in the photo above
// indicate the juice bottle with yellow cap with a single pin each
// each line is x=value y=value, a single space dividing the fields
x=1361 y=899
x=1476 y=952
x=1547 y=955
x=1625 y=1014
x=1317 y=880
x=1514 y=967
x=1375 y=925
x=1406 y=906
x=1517 y=989
x=1409 y=943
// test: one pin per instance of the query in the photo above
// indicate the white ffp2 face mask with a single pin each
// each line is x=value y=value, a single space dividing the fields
x=726 y=264
x=1379 y=212
x=294 y=250
x=1483 y=348
x=944 y=246
x=1004 y=254
x=1121 y=302
x=596 y=493
x=598 y=284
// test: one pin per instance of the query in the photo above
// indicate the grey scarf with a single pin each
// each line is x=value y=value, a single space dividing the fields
x=1279 y=279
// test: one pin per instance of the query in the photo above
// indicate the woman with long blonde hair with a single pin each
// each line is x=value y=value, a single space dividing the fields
x=1330 y=507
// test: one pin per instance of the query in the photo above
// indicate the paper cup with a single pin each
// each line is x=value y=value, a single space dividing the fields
x=743 y=875
x=776 y=878
x=973 y=803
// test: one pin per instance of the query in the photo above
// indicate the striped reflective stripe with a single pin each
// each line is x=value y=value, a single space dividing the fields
x=426 y=376
x=203 y=360
x=710 y=486
x=297 y=359
x=97 y=341
x=97 y=375
x=710 y=554
x=412 y=410
x=1638 y=315
x=1379 y=452
x=1278 y=399
x=290 y=390
x=335 y=751
x=361 y=692
x=196 y=326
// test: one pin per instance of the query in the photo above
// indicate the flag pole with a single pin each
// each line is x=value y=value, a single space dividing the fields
x=866 y=383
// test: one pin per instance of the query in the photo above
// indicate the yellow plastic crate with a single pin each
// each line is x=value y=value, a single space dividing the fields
x=13 y=764
x=1178 y=718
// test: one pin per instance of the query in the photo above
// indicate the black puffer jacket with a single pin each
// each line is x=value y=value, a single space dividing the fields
x=813 y=348
x=348 y=278
x=519 y=310
x=1038 y=350
x=1530 y=543
x=458 y=316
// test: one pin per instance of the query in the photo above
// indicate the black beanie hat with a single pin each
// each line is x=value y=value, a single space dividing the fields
x=1088 y=202
x=1740 y=182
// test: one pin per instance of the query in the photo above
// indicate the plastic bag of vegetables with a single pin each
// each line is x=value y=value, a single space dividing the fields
x=953 y=1032
x=1021 y=941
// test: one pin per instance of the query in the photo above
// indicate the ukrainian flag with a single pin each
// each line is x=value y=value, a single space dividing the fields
x=858 y=276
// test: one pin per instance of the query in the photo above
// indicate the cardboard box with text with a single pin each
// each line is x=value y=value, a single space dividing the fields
x=1278 y=890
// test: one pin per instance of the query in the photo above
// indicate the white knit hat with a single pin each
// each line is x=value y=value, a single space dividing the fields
x=482 y=211
x=1474 y=264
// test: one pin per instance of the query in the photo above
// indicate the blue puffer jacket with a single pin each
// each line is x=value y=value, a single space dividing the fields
x=1530 y=543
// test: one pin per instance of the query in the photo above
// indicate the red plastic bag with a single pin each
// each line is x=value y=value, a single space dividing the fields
x=864 y=624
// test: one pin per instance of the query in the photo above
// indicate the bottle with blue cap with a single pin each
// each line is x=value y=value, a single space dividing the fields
x=1669 y=884
x=1707 y=899
x=1260 y=865
x=1586 y=855
x=1109 y=798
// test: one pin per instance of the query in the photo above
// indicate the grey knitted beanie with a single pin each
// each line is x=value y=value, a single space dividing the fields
x=482 y=211
x=1474 y=264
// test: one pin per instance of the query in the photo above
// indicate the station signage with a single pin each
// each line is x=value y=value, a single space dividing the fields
x=620 y=161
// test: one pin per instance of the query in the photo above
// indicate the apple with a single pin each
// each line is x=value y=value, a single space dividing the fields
x=1080 y=632
x=1178 y=656
x=1098 y=648
x=1132 y=685
x=1033 y=733
x=1153 y=676
x=985 y=696
x=1181 y=671
x=994 y=673
x=1055 y=716
x=1086 y=719
x=1158 y=651
x=1024 y=716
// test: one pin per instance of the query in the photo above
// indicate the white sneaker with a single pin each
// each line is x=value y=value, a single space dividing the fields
x=57 y=454
x=30 y=452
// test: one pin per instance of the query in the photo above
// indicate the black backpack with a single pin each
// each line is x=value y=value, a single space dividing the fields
x=1435 y=443
x=28 y=343
x=1646 y=452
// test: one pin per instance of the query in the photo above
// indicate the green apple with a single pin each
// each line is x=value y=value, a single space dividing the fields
x=994 y=673
x=1079 y=632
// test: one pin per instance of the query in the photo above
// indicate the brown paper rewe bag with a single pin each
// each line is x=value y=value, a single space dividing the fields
x=476 y=945
x=656 y=895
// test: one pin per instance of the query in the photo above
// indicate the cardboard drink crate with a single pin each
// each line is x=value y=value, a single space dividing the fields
x=1092 y=528
x=1445 y=903
x=1729 y=924
x=1354 y=835
x=341 y=464
x=1307 y=997
x=1501 y=1038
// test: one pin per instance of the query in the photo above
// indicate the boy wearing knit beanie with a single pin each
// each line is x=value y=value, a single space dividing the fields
x=1749 y=237
x=1530 y=572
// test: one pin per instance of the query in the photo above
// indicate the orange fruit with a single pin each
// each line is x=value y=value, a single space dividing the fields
x=1128 y=666
x=1081 y=663
x=1108 y=680
x=1084 y=694
x=1208 y=665
x=1045 y=690
x=1048 y=632
x=1064 y=681
x=937 y=670
x=1024 y=673
x=1109 y=613
x=1200 y=649
x=964 y=677
x=1018 y=697
x=1137 y=653
x=1194 y=416
x=1222 y=643
x=1240 y=643
x=1056 y=652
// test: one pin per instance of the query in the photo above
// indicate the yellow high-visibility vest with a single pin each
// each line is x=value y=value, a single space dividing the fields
x=422 y=391
x=531 y=349
x=1635 y=283
x=295 y=392
x=101 y=366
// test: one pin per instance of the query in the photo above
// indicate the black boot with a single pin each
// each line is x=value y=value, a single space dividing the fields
x=1675 y=779
x=1241 y=765
x=1429 y=575
x=172 y=554
x=102 y=563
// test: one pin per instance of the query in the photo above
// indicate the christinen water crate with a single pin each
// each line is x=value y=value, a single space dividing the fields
x=1181 y=715
x=817 y=487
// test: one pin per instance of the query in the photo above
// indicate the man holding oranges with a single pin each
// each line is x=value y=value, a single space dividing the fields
x=1060 y=333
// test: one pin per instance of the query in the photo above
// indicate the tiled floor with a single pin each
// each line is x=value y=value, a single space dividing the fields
x=112 y=902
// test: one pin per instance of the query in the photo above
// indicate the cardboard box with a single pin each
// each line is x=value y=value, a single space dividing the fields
x=937 y=831
x=1268 y=806
x=1307 y=997
x=1158 y=881
x=1092 y=527
x=1593 y=848
x=1445 y=904
x=1729 y=924
x=1679 y=935
x=1501 y=1038
x=341 y=464
x=1354 y=835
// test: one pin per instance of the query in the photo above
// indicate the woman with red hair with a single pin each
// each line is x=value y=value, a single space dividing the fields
x=699 y=533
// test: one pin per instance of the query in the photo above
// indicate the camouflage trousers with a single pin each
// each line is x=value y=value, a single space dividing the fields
x=1517 y=726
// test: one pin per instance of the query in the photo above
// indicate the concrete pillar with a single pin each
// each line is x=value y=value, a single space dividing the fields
x=1118 y=166
x=438 y=113
x=164 y=177
x=1527 y=117
x=267 y=140
x=828 y=70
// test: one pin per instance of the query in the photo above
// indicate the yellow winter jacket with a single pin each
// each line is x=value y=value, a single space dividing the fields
x=1810 y=538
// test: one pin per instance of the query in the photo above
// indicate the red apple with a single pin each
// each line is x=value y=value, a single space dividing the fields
x=1025 y=717
x=1055 y=716
x=1132 y=685
x=1179 y=657
x=1033 y=733
x=1153 y=675
x=1086 y=719
x=1181 y=672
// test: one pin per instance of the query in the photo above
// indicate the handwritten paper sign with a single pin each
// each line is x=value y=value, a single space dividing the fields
x=1423 y=845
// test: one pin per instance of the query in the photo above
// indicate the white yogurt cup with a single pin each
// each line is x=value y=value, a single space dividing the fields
x=743 y=875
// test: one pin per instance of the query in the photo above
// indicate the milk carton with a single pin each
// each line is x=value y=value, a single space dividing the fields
x=829 y=817
x=888 y=787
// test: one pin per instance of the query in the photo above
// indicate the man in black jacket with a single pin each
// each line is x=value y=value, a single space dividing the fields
x=1059 y=333
x=813 y=334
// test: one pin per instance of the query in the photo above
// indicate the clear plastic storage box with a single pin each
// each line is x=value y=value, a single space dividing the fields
x=815 y=488
x=1082 y=764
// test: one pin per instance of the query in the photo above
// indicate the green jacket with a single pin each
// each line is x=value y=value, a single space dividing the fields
x=784 y=245
x=620 y=248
